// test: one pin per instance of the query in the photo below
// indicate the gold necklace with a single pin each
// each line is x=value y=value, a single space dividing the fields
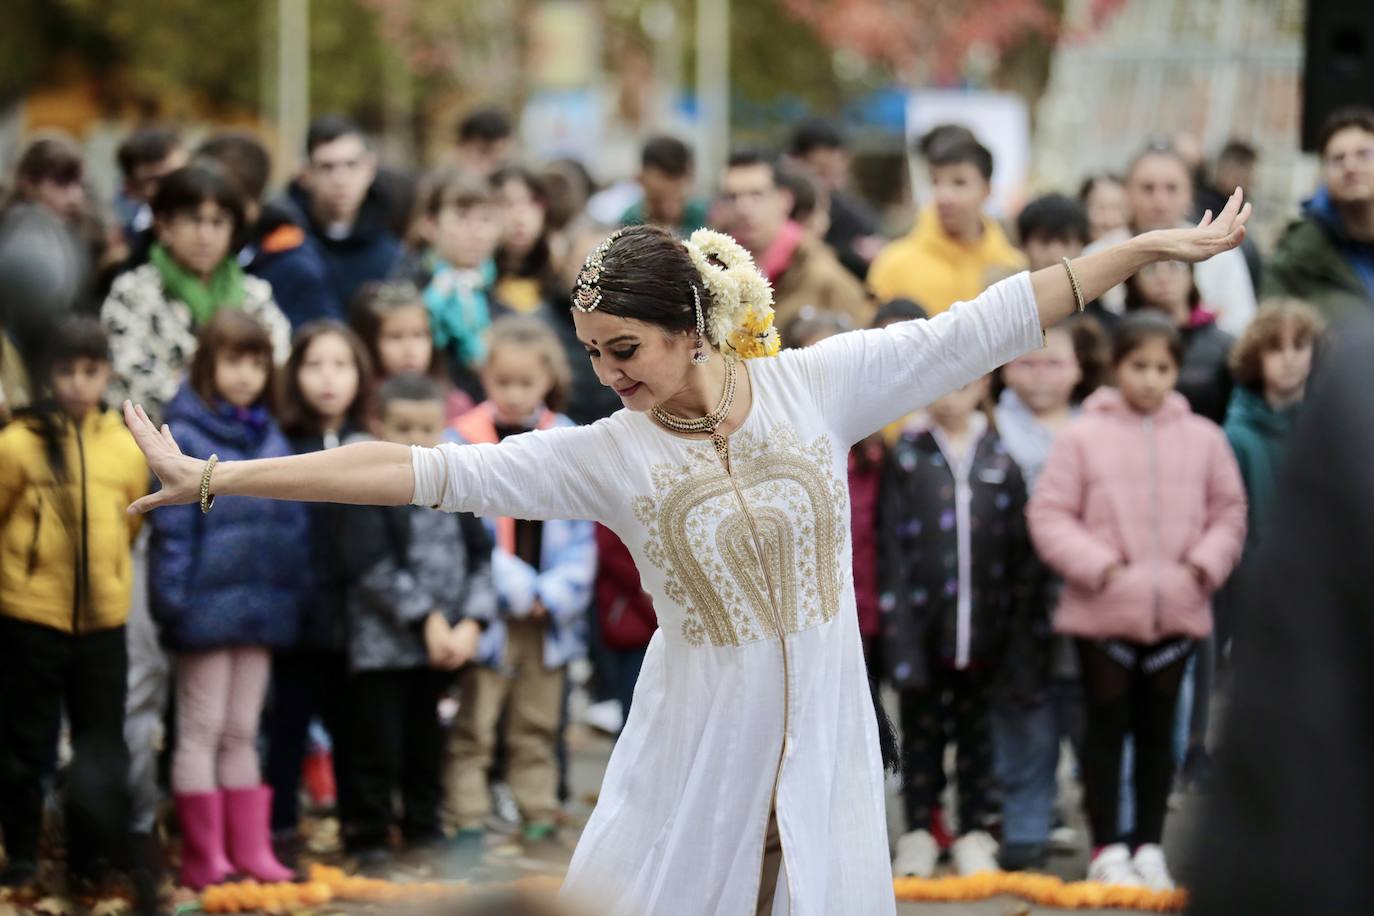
x=709 y=423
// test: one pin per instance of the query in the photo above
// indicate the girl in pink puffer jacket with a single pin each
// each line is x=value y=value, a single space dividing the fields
x=1141 y=509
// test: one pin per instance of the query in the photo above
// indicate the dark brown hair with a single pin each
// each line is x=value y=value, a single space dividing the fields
x=1353 y=116
x=1135 y=298
x=1137 y=329
x=1090 y=184
x=372 y=304
x=526 y=332
x=959 y=150
x=242 y=158
x=647 y=275
x=49 y=159
x=184 y=190
x=537 y=263
x=79 y=337
x=406 y=387
x=1263 y=334
x=231 y=333
x=298 y=418
x=455 y=188
x=1093 y=349
x=146 y=146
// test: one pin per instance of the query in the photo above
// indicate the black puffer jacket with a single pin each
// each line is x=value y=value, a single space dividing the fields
x=1204 y=378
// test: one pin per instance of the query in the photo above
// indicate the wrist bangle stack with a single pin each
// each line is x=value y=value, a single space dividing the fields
x=207 y=499
x=1073 y=281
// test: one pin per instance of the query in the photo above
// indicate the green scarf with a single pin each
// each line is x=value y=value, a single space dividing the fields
x=224 y=289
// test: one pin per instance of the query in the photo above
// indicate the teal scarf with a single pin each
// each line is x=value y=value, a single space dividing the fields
x=224 y=289
x=459 y=313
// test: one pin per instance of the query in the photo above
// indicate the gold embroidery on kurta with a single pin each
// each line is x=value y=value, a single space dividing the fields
x=701 y=539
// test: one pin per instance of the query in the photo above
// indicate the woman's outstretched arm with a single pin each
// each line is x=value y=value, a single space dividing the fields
x=367 y=473
x=1105 y=269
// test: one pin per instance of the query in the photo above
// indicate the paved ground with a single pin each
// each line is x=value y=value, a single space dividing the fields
x=588 y=752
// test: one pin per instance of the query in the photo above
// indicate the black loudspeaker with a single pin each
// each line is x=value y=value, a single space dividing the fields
x=1338 y=69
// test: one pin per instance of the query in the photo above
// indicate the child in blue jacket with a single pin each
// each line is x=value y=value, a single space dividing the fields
x=225 y=589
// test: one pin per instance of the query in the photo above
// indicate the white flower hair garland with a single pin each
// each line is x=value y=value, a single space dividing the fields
x=741 y=316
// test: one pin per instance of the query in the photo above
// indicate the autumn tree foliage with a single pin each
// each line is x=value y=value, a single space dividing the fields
x=931 y=41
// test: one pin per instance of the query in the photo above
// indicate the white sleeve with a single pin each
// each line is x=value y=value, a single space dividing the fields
x=863 y=380
x=1225 y=286
x=555 y=473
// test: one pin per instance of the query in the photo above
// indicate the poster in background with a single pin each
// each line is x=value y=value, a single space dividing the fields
x=1000 y=121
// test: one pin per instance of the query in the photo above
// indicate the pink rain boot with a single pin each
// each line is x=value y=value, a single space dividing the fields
x=248 y=834
x=203 y=862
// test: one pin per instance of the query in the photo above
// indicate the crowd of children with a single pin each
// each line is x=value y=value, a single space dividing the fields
x=1036 y=554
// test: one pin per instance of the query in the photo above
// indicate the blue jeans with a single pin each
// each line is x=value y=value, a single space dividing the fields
x=1026 y=740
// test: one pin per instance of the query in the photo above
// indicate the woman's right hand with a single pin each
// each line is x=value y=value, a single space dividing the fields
x=178 y=473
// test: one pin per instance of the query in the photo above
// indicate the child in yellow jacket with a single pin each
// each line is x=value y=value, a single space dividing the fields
x=68 y=470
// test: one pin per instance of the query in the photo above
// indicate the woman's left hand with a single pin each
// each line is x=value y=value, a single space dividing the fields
x=178 y=473
x=1210 y=237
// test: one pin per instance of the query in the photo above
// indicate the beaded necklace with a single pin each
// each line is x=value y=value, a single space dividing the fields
x=709 y=423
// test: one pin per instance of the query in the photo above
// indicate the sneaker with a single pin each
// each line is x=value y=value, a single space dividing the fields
x=917 y=853
x=1021 y=857
x=1064 y=839
x=606 y=716
x=974 y=852
x=465 y=852
x=1113 y=866
x=505 y=813
x=539 y=832
x=1149 y=864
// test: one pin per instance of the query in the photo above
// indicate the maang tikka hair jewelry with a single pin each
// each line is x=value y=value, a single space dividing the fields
x=700 y=357
x=586 y=292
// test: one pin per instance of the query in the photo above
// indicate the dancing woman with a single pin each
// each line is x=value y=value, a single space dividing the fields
x=748 y=777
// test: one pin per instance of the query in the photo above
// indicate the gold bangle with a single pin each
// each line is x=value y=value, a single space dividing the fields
x=1073 y=281
x=207 y=499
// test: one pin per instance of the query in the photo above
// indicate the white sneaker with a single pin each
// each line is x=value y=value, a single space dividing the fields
x=974 y=852
x=917 y=853
x=1064 y=839
x=1113 y=866
x=1149 y=864
x=605 y=716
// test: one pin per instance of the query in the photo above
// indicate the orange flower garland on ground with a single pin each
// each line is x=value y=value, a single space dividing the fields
x=1042 y=890
x=327 y=884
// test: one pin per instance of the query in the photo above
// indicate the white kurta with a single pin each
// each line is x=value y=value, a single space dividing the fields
x=729 y=719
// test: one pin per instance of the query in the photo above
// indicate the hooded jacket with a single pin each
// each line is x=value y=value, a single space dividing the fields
x=936 y=271
x=1204 y=379
x=369 y=252
x=1318 y=262
x=403 y=563
x=234 y=576
x=1150 y=493
x=1259 y=437
x=284 y=254
x=66 y=560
